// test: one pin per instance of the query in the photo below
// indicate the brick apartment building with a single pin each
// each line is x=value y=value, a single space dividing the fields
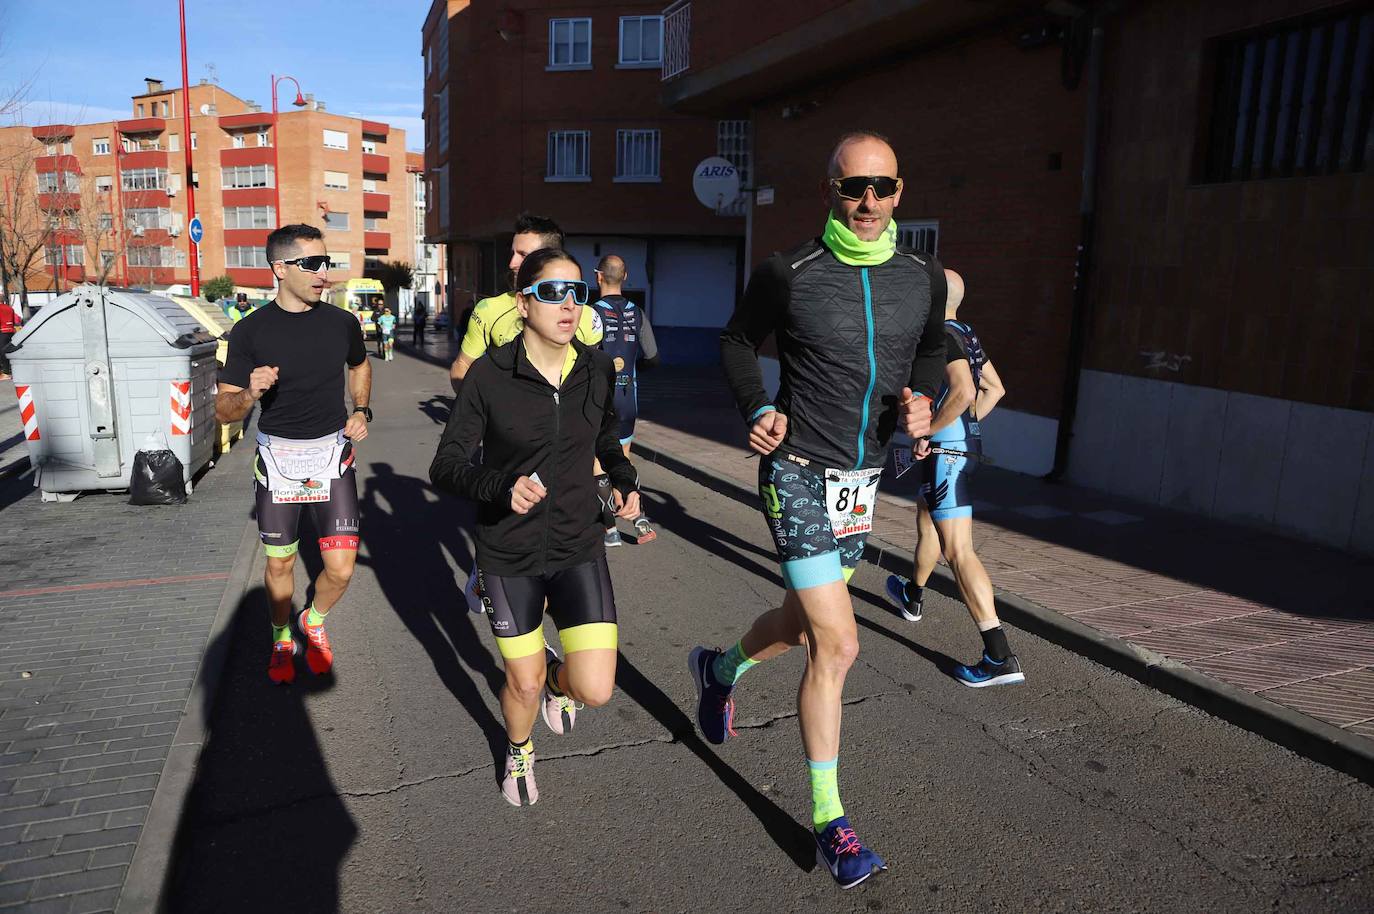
x=346 y=175
x=554 y=108
x=1220 y=358
x=429 y=260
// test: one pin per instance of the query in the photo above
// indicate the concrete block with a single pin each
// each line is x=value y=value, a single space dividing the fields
x=1252 y=449
x=1321 y=476
x=1094 y=429
x=1192 y=450
x=1021 y=442
x=1141 y=432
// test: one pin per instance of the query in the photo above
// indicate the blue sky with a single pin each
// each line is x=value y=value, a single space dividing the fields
x=85 y=61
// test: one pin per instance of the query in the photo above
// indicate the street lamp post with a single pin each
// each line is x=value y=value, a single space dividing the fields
x=191 y=246
x=276 y=138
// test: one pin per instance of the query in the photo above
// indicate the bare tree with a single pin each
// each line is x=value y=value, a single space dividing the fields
x=26 y=227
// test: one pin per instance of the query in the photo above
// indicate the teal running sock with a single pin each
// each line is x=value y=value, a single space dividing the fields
x=314 y=616
x=825 y=792
x=281 y=633
x=731 y=665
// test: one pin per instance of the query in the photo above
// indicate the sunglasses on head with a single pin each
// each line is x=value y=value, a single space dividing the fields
x=555 y=291
x=311 y=264
x=853 y=188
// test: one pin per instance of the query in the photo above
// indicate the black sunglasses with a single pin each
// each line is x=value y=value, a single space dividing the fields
x=853 y=188
x=554 y=291
x=311 y=264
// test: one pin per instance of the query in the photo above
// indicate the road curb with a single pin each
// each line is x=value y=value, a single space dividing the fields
x=1315 y=739
x=146 y=884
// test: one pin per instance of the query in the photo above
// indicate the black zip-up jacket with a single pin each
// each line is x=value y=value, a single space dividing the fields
x=526 y=426
x=849 y=339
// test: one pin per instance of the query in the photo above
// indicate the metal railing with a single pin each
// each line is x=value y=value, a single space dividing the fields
x=677 y=39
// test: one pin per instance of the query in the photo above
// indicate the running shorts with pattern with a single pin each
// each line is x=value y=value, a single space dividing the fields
x=580 y=602
x=945 y=480
x=793 y=493
x=333 y=505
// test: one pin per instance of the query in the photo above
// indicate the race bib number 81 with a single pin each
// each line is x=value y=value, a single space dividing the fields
x=850 y=497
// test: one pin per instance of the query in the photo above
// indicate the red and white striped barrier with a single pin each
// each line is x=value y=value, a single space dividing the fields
x=27 y=413
x=181 y=407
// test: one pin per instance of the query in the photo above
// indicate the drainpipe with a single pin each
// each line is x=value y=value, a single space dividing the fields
x=1083 y=265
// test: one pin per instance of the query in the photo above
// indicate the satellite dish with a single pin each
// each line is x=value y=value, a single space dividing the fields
x=205 y=109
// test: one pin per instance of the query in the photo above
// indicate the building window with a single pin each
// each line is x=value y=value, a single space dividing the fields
x=441 y=44
x=339 y=261
x=569 y=154
x=101 y=146
x=106 y=222
x=107 y=259
x=139 y=109
x=570 y=44
x=264 y=138
x=369 y=185
x=641 y=41
x=636 y=155
x=145 y=179
x=73 y=255
x=164 y=109
x=336 y=222
x=250 y=217
x=370 y=223
x=239 y=141
x=443 y=120
x=104 y=184
x=336 y=180
x=151 y=255
x=174 y=142
x=429 y=60
x=239 y=176
x=193 y=140
x=1293 y=99
x=733 y=145
x=143 y=219
x=335 y=139
x=443 y=197
x=51 y=182
x=920 y=235
x=195 y=179
x=245 y=256
x=369 y=147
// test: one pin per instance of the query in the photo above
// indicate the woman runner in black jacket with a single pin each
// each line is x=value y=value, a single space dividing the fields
x=541 y=408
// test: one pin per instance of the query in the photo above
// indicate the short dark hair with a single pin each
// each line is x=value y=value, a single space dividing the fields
x=847 y=138
x=530 y=224
x=534 y=264
x=282 y=243
x=612 y=269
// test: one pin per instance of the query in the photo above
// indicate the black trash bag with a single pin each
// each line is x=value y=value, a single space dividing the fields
x=157 y=479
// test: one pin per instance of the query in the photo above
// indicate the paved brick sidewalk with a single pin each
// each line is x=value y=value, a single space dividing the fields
x=1286 y=620
x=105 y=611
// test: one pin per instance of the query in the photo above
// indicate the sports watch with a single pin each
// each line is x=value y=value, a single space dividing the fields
x=367 y=413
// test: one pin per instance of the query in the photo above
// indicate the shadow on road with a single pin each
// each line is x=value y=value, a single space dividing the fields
x=265 y=829
x=793 y=839
x=408 y=536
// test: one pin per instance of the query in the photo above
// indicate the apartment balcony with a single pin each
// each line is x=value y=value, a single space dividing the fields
x=58 y=202
x=374 y=202
x=65 y=164
x=244 y=121
x=142 y=125
x=246 y=155
x=677 y=39
x=376 y=163
x=50 y=132
x=375 y=128
x=377 y=241
x=144 y=158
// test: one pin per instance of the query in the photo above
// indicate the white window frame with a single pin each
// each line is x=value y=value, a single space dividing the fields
x=240 y=140
x=336 y=134
x=264 y=138
x=105 y=222
x=250 y=217
x=340 y=261
x=910 y=232
x=174 y=142
x=145 y=179
x=230 y=176
x=257 y=257
x=104 y=184
x=571 y=44
x=638 y=156
x=100 y=146
x=369 y=185
x=369 y=146
x=193 y=139
x=335 y=221
x=639 y=61
x=551 y=173
x=334 y=175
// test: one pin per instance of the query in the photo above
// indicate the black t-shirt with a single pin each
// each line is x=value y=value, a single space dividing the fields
x=310 y=349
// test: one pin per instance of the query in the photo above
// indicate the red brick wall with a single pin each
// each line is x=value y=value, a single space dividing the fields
x=974 y=126
x=1264 y=286
x=503 y=103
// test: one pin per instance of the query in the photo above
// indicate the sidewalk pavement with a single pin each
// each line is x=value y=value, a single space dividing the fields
x=1274 y=634
x=106 y=613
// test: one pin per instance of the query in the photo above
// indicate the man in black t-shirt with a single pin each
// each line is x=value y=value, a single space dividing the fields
x=290 y=356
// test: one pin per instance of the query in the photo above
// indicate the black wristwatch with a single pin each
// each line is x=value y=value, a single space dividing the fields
x=367 y=413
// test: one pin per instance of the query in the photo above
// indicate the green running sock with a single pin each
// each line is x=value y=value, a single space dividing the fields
x=825 y=792
x=524 y=748
x=732 y=664
x=313 y=616
x=281 y=633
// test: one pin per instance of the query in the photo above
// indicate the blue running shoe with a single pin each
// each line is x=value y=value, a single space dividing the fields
x=897 y=593
x=715 y=707
x=988 y=672
x=849 y=861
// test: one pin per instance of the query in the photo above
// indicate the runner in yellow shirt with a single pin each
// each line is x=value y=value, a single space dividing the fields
x=495 y=321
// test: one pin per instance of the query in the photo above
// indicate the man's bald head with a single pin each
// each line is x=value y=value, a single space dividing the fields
x=613 y=272
x=862 y=152
x=955 y=296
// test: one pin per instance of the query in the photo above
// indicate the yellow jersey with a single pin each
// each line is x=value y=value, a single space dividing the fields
x=496 y=321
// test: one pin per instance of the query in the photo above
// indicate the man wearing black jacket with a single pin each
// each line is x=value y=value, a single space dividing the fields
x=860 y=336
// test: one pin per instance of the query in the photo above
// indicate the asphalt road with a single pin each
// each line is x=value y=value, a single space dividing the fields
x=374 y=789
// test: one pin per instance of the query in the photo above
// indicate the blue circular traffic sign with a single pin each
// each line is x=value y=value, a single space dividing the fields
x=196 y=230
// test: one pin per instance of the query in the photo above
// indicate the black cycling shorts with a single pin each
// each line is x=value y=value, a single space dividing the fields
x=626 y=406
x=580 y=603
x=335 y=516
